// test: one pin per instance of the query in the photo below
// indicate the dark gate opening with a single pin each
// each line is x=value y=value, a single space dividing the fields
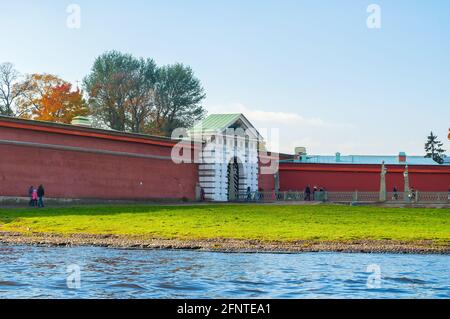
x=233 y=180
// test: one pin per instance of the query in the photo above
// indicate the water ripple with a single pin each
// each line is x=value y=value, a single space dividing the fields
x=41 y=272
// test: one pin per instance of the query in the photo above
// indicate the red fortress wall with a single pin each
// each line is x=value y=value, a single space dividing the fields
x=85 y=163
x=77 y=162
x=349 y=177
x=266 y=180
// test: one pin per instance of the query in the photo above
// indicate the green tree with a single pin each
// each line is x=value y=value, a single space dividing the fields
x=434 y=150
x=178 y=99
x=131 y=94
x=121 y=90
x=141 y=95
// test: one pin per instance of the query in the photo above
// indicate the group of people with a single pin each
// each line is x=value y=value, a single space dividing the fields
x=36 y=196
x=314 y=194
x=411 y=195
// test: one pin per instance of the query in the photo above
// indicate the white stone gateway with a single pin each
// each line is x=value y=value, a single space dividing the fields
x=230 y=165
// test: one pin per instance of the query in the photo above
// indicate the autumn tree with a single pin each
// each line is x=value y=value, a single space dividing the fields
x=433 y=148
x=11 y=88
x=49 y=98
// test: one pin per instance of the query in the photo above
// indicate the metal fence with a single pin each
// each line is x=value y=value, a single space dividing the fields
x=433 y=197
x=345 y=197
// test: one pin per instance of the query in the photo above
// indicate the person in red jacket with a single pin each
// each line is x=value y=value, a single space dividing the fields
x=34 y=197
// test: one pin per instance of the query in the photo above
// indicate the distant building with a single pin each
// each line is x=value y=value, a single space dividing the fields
x=447 y=160
x=400 y=159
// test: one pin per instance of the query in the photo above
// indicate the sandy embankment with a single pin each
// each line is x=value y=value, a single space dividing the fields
x=227 y=245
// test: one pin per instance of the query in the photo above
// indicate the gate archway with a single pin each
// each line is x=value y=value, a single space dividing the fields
x=236 y=179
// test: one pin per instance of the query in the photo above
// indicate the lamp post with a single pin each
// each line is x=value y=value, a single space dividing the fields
x=276 y=177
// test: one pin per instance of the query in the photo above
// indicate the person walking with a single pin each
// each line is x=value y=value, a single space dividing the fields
x=41 y=194
x=34 y=197
x=30 y=196
x=395 y=191
x=249 y=194
x=412 y=195
x=202 y=194
x=307 y=193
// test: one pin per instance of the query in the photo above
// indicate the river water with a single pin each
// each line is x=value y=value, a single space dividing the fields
x=92 y=272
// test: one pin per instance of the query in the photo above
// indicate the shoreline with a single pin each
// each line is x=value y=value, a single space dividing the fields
x=226 y=245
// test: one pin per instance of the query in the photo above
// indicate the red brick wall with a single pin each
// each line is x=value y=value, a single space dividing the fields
x=76 y=174
x=16 y=134
x=266 y=182
x=362 y=177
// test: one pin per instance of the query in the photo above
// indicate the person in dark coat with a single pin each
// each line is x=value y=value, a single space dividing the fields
x=202 y=194
x=395 y=191
x=308 y=193
x=41 y=194
x=413 y=194
x=249 y=194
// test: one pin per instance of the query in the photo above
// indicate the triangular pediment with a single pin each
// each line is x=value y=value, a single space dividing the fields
x=221 y=123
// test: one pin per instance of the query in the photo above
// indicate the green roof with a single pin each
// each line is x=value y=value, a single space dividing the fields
x=81 y=120
x=215 y=122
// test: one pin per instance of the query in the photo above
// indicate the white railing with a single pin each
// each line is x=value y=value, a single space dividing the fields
x=433 y=197
x=336 y=197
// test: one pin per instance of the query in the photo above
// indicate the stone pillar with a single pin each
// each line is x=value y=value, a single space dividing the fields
x=383 y=196
x=277 y=182
x=406 y=177
x=355 y=196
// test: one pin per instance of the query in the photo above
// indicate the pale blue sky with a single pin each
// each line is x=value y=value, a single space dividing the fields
x=311 y=68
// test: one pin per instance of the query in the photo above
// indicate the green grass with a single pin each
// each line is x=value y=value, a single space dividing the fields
x=284 y=223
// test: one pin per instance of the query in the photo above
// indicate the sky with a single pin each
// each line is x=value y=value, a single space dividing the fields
x=313 y=70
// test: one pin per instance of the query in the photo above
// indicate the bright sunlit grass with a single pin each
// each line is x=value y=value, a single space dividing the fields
x=284 y=223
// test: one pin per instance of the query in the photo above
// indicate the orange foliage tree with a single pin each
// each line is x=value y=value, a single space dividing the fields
x=49 y=98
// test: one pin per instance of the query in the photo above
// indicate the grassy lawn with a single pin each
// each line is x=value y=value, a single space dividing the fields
x=282 y=223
